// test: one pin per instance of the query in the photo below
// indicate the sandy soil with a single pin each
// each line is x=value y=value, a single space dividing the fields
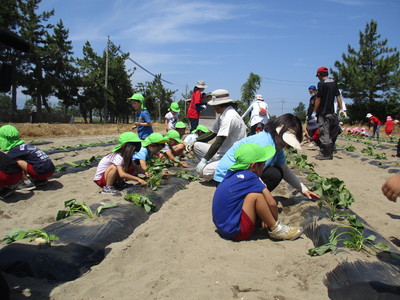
x=177 y=254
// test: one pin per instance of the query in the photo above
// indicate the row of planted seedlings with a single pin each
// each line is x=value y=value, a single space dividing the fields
x=371 y=151
x=335 y=202
x=158 y=170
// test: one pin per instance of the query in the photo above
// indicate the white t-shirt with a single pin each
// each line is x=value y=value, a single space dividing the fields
x=108 y=160
x=231 y=125
x=255 y=116
x=172 y=119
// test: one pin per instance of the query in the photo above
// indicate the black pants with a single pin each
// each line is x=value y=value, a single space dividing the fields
x=272 y=176
x=193 y=124
x=398 y=149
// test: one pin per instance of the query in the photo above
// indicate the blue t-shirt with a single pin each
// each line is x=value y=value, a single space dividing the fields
x=39 y=160
x=143 y=116
x=142 y=154
x=263 y=139
x=228 y=200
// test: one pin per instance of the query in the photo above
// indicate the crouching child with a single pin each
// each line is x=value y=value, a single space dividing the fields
x=241 y=199
x=115 y=168
x=36 y=165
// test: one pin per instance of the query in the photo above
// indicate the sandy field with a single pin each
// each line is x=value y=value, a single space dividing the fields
x=176 y=253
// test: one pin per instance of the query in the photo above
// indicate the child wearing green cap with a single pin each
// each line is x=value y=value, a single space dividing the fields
x=142 y=117
x=34 y=162
x=181 y=128
x=171 y=117
x=118 y=165
x=175 y=148
x=150 y=146
x=192 y=137
x=242 y=198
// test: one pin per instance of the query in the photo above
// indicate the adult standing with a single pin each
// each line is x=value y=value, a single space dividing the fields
x=227 y=130
x=259 y=114
x=195 y=106
x=313 y=94
x=33 y=113
x=324 y=110
x=280 y=133
x=142 y=117
x=376 y=124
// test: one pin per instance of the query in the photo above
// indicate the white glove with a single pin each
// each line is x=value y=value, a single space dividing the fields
x=189 y=143
x=342 y=113
x=313 y=115
x=200 y=166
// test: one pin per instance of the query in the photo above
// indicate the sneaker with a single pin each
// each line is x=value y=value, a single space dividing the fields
x=25 y=185
x=285 y=232
x=109 y=190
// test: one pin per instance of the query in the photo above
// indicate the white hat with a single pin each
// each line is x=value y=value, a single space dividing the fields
x=201 y=84
x=259 y=97
x=289 y=138
x=220 y=97
x=369 y=115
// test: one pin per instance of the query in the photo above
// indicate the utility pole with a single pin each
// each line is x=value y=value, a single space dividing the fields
x=283 y=101
x=106 y=81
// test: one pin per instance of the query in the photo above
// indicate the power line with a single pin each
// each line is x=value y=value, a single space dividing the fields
x=136 y=63
x=284 y=80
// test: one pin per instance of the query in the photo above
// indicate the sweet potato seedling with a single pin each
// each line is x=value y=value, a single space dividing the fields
x=19 y=234
x=141 y=200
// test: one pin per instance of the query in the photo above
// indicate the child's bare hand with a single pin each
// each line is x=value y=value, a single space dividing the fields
x=165 y=174
x=142 y=182
x=147 y=174
x=183 y=164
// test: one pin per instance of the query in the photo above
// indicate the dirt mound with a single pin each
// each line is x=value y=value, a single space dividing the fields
x=43 y=130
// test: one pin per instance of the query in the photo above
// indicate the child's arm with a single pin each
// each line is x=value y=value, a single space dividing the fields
x=122 y=174
x=172 y=158
x=166 y=124
x=143 y=166
x=273 y=206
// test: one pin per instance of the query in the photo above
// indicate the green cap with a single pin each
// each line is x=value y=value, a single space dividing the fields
x=180 y=124
x=154 y=138
x=174 y=107
x=201 y=128
x=249 y=153
x=173 y=134
x=138 y=97
x=9 y=137
x=127 y=137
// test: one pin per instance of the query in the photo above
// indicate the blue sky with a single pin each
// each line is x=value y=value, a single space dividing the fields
x=221 y=42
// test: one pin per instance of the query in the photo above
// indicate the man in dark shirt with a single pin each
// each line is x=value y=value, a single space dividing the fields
x=324 y=110
x=313 y=93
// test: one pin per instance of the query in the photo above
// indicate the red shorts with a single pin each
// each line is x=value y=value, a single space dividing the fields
x=9 y=179
x=101 y=182
x=32 y=173
x=246 y=228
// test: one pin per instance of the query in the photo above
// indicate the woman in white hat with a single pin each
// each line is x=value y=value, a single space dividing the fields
x=195 y=106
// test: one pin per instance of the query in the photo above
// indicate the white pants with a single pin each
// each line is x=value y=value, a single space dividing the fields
x=200 y=150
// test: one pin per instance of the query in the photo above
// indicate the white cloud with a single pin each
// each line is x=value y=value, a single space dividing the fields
x=351 y=2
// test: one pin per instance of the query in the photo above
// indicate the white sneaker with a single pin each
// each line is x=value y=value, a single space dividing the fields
x=285 y=232
x=25 y=185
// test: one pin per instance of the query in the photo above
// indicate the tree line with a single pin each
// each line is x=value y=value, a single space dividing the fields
x=49 y=69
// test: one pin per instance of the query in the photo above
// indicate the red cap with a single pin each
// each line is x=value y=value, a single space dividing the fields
x=322 y=69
